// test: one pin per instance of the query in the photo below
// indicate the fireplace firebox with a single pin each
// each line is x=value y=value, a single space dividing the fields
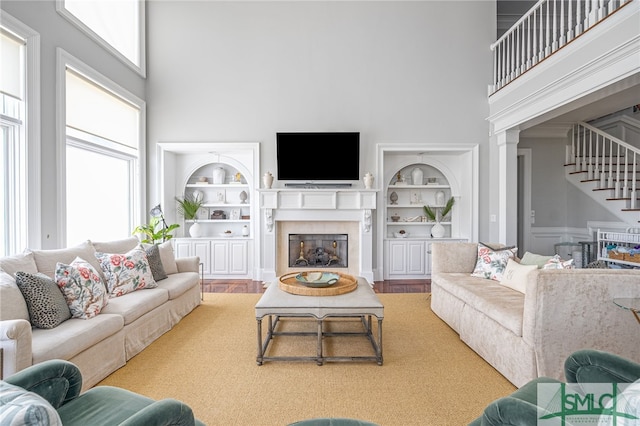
x=318 y=250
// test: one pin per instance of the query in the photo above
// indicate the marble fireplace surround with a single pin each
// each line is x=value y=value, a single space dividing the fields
x=316 y=211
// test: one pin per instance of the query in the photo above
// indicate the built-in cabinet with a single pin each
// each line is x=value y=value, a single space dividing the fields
x=223 y=175
x=413 y=177
x=219 y=258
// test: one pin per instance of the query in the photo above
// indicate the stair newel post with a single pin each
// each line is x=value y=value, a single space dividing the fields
x=583 y=167
x=590 y=160
x=596 y=170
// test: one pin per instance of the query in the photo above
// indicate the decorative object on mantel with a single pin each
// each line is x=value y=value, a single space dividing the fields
x=219 y=175
x=368 y=180
x=267 y=180
x=243 y=197
x=393 y=197
x=417 y=177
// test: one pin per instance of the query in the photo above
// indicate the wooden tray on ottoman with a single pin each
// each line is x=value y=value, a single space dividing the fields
x=346 y=283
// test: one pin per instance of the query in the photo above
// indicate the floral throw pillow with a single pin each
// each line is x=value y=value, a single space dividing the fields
x=492 y=262
x=126 y=273
x=82 y=288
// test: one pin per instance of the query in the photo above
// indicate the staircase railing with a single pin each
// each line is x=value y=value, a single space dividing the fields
x=606 y=159
x=545 y=28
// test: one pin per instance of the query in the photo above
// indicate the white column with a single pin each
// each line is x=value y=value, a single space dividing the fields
x=507 y=143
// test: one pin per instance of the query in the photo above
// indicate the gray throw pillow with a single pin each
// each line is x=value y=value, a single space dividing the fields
x=45 y=302
x=155 y=262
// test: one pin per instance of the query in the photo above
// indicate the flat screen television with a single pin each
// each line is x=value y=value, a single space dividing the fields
x=318 y=156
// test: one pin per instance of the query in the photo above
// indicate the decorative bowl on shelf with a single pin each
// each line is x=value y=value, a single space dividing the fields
x=227 y=234
x=317 y=279
x=401 y=234
x=432 y=180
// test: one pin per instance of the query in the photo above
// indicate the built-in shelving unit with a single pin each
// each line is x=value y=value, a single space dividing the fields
x=413 y=176
x=223 y=176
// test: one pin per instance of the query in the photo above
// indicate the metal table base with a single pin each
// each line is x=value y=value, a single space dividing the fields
x=319 y=358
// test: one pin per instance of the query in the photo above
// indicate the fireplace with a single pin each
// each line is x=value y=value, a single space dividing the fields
x=318 y=212
x=318 y=250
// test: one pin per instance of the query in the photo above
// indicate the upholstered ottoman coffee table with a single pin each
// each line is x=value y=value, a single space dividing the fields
x=278 y=305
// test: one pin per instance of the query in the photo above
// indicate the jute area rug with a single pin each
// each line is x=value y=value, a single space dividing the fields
x=429 y=377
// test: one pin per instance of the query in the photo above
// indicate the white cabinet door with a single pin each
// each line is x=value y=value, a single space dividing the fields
x=405 y=259
x=202 y=249
x=416 y=258
x=397 y=255
x=219 y=257
x=238 y=257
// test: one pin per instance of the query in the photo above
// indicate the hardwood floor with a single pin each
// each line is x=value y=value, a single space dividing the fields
x=250 y=286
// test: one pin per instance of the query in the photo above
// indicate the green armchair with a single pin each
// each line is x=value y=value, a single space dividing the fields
x=59 y=383
x=582 y=367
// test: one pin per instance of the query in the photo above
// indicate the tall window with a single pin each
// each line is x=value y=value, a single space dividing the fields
x=103 y=149
x=13 y=151
x=117 y=25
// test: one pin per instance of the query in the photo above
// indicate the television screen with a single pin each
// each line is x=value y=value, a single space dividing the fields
x=318 y=156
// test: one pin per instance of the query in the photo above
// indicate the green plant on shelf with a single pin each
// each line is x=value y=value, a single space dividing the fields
x=188 y=206
x=436 y=214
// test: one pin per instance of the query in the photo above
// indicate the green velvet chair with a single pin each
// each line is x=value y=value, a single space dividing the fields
x=59 y=383
x=584 y=366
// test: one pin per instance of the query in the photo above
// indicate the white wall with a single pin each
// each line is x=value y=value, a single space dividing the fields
x=395 y=71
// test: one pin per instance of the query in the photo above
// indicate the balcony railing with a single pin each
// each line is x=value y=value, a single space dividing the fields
x=613 y=163
x=546 y=27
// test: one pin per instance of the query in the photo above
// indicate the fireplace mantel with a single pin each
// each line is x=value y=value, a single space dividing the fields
x=315 y=206
x=325 y=198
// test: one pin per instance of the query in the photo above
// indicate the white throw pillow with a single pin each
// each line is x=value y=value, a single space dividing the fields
x=12 y=303
x=515 y=275
x=20 y=407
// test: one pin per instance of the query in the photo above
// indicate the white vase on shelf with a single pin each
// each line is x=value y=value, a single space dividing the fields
x=219 y=175
x=437 y=230
x=195 y=230
x=417 y=176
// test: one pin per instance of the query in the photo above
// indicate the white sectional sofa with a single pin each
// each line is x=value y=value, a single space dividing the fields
x=104 y=343
x=530 y=334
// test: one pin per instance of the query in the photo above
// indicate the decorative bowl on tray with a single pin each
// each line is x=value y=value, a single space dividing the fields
x=317 y=279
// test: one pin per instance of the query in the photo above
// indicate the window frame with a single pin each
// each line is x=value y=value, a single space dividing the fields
x=141 y=68
x=138 y=188
x=31 y=134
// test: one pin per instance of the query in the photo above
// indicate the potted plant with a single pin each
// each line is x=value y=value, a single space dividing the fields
x=152 y=234
x=436 y=214
x=188 y=207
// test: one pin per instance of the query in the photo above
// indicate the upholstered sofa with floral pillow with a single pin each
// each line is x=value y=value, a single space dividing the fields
x=526 y=319
x=96 y=304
